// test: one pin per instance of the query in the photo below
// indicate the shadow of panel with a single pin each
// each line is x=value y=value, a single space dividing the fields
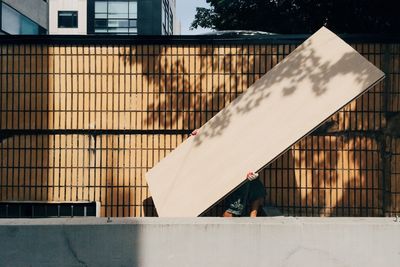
x=149 y=208
x=24 y=79
x=149 y=150
x=24 y=168
x=118 y=164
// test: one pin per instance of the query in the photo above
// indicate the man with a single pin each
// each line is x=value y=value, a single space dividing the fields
x=247 y=199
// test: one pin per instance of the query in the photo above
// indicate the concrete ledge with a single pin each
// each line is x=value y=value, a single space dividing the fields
x=200 y=242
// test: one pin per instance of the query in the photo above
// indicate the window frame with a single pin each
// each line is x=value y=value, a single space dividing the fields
x=105 y=16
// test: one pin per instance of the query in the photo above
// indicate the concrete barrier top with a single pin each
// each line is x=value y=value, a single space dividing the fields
x=202 y=221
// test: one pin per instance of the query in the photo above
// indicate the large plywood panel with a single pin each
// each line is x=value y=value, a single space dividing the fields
x=308 y=86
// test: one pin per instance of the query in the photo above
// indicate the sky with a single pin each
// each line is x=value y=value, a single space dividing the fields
x=186 y=9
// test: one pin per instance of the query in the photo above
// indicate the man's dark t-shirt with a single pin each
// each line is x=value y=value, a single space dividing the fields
x=239 y=201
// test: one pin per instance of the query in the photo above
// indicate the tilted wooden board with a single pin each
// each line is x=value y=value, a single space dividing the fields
x=309 y=85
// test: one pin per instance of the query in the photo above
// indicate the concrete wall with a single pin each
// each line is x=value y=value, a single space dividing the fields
x=70 y=5
x=36 y=10
x=177 y=22
x=200 y=242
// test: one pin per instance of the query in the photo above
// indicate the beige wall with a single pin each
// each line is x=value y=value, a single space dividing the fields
x=70 y=5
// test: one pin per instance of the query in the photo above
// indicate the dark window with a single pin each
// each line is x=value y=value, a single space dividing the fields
x=100 y=23
x=67 y=19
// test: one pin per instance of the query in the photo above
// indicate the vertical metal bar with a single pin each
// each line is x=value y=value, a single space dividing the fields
x=52 y=108
x=15 y=85
x=300 y=172
x=212 y=82
x=131 y=127
x=348 y=186
x=142 y=126
x=35 y=93
x=97 y=112
x=325 y=177
x=40 y=92
x=20 y=91
x=2 y=111
x=385 y=155
x=311 y=164
x=358 y=150
x=150 y=113
x=331 y=173
x=337 y=175
x=65 y=145
x=7 y=90
x=106 y=149
x=135 y=138
x=59 y=120
x=116 y=148
x=101 y=185
x=74 y=150
x=3 y=96
x=124 y=95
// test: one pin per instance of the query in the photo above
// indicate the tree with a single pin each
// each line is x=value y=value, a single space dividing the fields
x=300 y=16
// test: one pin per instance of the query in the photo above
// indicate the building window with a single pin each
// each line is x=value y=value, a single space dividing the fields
x=13 y=22
x=67 y=19
x=116 y=17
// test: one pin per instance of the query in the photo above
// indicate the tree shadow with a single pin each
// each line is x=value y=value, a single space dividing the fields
x=178 y=84
x=315 y=161
x=333 y=176
x=299 y=67
x=359 y=178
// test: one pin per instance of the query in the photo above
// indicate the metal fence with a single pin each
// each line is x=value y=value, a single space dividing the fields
x=83 y=119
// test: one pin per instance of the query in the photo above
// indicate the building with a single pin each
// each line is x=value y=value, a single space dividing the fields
x=23 y=17
x=124 y=17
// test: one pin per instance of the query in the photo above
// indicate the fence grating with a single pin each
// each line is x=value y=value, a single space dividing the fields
x=84 y=122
